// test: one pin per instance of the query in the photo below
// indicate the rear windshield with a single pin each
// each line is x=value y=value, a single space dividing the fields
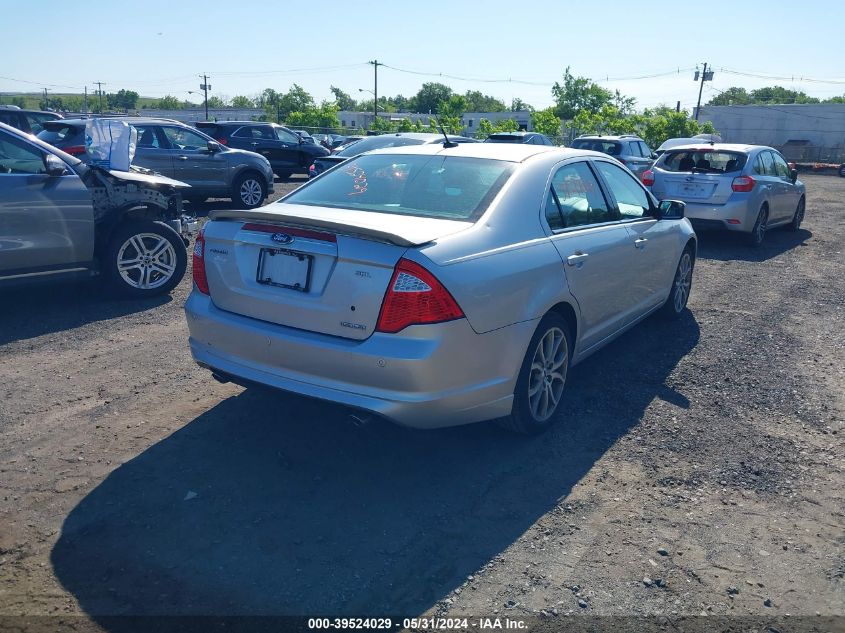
x=606 y=147
x=56 y=133
x=377 y=142
x=703 y=161
x=502 y=138
x=454 y=188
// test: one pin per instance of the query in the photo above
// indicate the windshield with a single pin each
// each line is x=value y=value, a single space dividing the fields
x=453 y=188
x=501 y=138
x=56 y=133
x=605 y=147
x=703 y=161
x=377 y=142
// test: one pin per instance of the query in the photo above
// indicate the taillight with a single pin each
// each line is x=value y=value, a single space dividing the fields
x=415 y=297
x=200 y=279
x=74 y=150
x=223 y=141
x=648 y=178
x=743 y=183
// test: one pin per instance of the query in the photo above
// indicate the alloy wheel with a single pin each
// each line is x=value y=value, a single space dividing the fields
x=683 y=281
x=146 y=261
x=250 y=192
x=548 y=374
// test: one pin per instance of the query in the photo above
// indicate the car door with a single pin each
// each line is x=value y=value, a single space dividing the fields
x=152 y=150
x=788 y=194
x=595 y=249
x=262 y=140
x=46 y=222
x=768 y=181
x=653 y=242
x=193 y=162
x=290 y=148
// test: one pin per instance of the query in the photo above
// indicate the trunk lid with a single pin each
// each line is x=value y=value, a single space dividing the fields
x=342 y=261
x=697 y=187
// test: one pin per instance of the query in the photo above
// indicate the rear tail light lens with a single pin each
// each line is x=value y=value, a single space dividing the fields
x=200 y=279
x=74 y=150
x=223 y=141
x=743 y=183
x=415 y=297
x=648 y=178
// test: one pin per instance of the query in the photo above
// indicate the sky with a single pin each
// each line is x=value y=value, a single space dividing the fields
x=160 y=47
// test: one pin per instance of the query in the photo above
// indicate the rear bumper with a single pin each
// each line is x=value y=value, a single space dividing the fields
x=735 y=215
x=425 y=377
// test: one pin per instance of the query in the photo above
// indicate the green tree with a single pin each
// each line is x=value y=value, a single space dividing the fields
x=241 y=101
x=429 y=97
x=577 y=94
x=169 y=102
x=405 y=125
x=381 y=124
x=732 y=96
x=216 y=102
x=400 y=103
x=485 y=129
x=122 y=100
x=343 y=100
x=478 y=102
x=546 y=122
x=296 y=99
x=324 y=116
x=518 y=105
x=18 y=101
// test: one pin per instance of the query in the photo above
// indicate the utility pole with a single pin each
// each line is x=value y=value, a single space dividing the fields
x=100 y=92
x=46 y=100
x=705 y=76
x=205 y=87
x=375 y=64
x=85 y=102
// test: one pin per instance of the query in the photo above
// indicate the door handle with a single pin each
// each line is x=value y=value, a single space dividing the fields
x=640 y=242
x=182 y=157
x=254 y=144
x=577 y=259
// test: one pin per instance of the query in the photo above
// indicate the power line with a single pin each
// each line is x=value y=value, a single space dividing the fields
x=791 y=78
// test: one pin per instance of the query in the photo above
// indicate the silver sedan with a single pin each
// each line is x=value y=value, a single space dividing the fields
x=437 y=285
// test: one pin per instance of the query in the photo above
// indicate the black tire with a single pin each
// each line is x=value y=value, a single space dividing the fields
x=755 y=238
x=249 y=190
x=160 y=255
x=283 y=175
x=529 y=416
x=842 y=170
x=799 y=215
x=196 y=199
x=676 y=302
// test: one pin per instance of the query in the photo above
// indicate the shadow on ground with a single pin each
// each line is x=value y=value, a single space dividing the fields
x=48 y=308
x=725 y=246
x=270 y=504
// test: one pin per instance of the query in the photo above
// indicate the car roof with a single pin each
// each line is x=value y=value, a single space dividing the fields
x=512 y=152
x=730 y=147
x=608 y=137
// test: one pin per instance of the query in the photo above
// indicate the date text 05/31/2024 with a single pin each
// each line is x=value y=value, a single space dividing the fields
x=418 y=624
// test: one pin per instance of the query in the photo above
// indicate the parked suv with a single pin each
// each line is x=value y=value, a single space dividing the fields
x=179 y=151
x=628 y=149
x=60 y=218
x=29 y=121
x=287 y=152
x=744 y=188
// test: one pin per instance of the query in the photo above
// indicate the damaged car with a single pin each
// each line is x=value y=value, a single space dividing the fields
x=63 y=219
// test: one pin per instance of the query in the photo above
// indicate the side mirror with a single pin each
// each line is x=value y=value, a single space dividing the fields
x=54 y=166
x=654 y=156
x=213 y=147
x=671 y=210
x=793 y=175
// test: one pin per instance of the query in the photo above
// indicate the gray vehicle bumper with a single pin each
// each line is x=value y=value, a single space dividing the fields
x=426 y=376
x=735 y=215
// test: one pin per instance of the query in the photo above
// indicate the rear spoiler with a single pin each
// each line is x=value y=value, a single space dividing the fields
x=406 y=232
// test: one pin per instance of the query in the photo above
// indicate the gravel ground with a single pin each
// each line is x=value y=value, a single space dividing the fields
x=700 y=470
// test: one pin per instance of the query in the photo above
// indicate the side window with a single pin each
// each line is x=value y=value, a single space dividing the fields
x=35 y=123
x=645 y=150
x=147 y=136
x=579 y=196
x=553 y=215
x=243 y=132
x=10 y=118
x=758 y=165
x=264 y=132
x=633 y=149
x=288 y=137
x=768 y=164
x=17 y=157
x=781 y=167
x=184 y=139
x=631 y=198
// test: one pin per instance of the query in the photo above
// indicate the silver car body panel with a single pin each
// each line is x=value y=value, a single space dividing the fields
x=506 y=271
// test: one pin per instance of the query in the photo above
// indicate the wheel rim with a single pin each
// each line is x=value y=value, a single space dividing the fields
x=683 y=281
x=761 y=225
x=799 y=214
x=146 y=261
x=548 y=374
x=251 y=191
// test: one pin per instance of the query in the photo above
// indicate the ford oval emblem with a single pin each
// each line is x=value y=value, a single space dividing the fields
x=282 y=238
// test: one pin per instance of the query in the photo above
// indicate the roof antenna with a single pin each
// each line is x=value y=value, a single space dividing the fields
x=446 y=143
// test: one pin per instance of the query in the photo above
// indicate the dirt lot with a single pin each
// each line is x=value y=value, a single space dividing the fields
x=700 y=470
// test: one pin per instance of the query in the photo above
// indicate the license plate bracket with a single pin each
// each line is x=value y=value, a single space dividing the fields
x=284 y=268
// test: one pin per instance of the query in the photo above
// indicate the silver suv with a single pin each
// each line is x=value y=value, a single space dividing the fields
x=178 y=151
x=628 y=149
